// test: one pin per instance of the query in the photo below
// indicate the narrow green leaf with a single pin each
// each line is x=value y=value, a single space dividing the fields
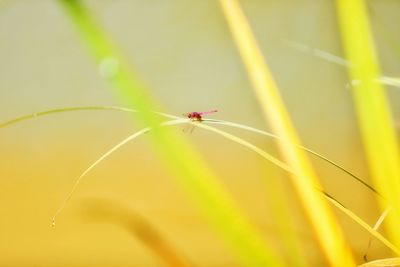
x=189 y=169
x=372 y=107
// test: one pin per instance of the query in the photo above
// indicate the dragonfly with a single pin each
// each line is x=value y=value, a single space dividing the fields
x=197 y=116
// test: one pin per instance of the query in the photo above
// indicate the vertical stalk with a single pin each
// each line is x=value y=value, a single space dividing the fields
x=325 y=225
x=189 y=169
x=372 y=107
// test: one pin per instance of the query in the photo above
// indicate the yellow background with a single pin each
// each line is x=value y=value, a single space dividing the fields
x=183 y=51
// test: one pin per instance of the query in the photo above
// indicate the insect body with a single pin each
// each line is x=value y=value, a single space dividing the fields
x=198 y=116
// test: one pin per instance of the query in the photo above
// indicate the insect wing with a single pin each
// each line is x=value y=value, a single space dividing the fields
x=208 y=112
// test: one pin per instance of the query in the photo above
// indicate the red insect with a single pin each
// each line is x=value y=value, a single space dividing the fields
x=198 y=116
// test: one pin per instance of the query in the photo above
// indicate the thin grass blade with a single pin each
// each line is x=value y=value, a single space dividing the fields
x=207 y=121
x=257 y=150
x=231 y=137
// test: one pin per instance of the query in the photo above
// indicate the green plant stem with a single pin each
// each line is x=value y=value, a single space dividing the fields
x=372 y=108
x=188 y=168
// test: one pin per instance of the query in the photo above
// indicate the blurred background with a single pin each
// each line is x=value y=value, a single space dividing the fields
x=183 y=52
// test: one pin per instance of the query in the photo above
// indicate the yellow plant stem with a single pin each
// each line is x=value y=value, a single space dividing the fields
x=372 y=108
x=327 y=229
